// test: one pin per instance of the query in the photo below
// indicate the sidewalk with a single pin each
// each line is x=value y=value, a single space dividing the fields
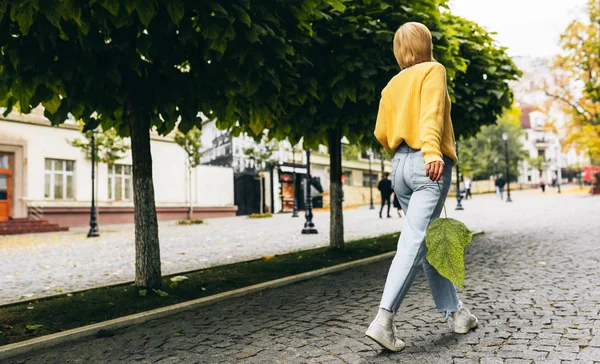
x=39 y=265
x=46 y=264
x=531 y=279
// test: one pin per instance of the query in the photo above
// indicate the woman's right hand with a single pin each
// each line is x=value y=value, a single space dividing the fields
x=434 y=170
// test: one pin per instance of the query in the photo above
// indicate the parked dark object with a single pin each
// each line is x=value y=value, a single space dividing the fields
x=246 y=193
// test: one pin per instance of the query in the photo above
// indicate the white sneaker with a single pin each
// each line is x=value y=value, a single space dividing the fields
x=462 y=321
x=383 y=331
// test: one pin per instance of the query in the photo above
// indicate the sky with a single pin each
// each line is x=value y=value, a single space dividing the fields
x=529 y=28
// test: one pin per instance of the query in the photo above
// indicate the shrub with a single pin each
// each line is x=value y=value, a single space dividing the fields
x=190 y=222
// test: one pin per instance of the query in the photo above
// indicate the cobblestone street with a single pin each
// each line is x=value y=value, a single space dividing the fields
x=532 y=280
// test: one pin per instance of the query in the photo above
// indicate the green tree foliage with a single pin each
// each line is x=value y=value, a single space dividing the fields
x=352 y=51
x=108 y=145
x=262 y=153
x=478 y=154
x=537 y=164
x=480 y=92
x=134 y=65
x=351 y=61
x=351 y=152
x=191 y=143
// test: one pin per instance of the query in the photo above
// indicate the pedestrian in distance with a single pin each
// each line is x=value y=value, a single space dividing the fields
x=397 y=206
x=414 y=123
x=385 y=188
x=500 y=183
x=468 y=188
x=543 y=185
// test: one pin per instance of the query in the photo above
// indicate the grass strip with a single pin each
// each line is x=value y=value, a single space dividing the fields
x=25 y=321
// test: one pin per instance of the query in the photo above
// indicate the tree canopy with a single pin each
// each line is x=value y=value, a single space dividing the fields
x=133 y=65
x=191 y=143
x=483 y=155
x=311 y=69
x=480 y=92
x=109 y=147
x=576 y=82
x=174 y=58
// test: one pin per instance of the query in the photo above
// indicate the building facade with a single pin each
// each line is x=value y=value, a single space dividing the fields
x=46 y=174
x=544 y=142
x=220 y=148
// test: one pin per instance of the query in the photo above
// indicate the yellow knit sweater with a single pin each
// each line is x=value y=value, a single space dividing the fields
x=415 y=108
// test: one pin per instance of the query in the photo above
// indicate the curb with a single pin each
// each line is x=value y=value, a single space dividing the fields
x=130 y=282
x=12 y=350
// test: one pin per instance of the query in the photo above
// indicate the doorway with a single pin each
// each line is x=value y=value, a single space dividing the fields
x=6 y=161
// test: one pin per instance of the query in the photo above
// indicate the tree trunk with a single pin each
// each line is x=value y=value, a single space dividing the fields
x=336 y=216
x=147 y=249
x=382 y=165
x=191 y=205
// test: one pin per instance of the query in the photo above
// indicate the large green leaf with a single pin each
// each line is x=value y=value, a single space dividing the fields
x=146 y=10
x=446 y=242
x=24 y=14
x=53 y=104
x=111 y=5
x=176 y=10
x=337 y=5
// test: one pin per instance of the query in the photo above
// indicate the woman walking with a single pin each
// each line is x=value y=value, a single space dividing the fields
x=414 y=123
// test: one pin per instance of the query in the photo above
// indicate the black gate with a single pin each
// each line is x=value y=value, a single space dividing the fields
x=247 y=193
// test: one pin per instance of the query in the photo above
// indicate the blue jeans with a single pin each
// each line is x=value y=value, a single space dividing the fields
x=421 y=201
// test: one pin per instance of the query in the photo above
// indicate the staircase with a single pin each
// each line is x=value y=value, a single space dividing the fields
x=28 y=226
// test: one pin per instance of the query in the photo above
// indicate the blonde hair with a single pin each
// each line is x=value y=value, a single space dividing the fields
x=412 y=44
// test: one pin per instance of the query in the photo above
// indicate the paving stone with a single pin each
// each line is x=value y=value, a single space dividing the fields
x=323 y=320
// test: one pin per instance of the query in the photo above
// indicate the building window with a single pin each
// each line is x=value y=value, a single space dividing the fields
x=348 y=178
x=119 y=182
x=367 y=182
x=542 y=153
x=58 y=179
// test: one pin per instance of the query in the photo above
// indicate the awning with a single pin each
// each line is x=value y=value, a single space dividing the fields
x=291 y=169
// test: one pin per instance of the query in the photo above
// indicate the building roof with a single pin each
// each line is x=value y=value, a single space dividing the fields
x=524 y=118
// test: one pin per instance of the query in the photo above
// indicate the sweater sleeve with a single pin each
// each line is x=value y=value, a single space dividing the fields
x=381 y=124
x=433 y=100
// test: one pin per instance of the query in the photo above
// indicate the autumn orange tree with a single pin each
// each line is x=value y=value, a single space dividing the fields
x=576 y=82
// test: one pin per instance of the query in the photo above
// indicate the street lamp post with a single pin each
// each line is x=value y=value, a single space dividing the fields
x=93 y=215
x=371 y=207
x=458 y=196
x=309 y=226
x=505 y=138
x=558 y=171
x=295 y=210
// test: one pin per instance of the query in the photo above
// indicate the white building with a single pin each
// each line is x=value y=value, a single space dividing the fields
x=540 y=140
x=222 y=149
x=48 y=174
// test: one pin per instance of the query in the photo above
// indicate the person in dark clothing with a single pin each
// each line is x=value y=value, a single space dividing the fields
x=385 y=188
x=500 y=182
x=397 y=206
